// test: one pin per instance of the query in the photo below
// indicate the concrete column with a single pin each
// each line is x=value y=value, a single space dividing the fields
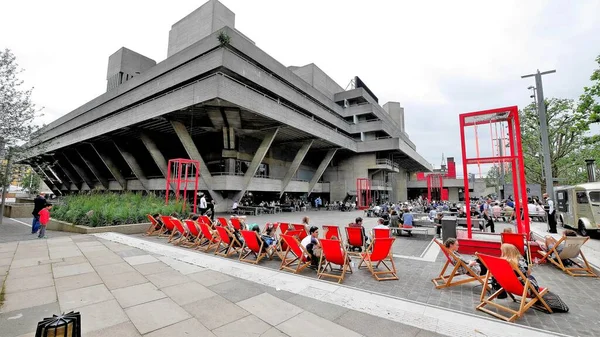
x=322 y=167
x=134 y=165
x=193 y=153
x=45 y=178
x=54 y=178
x=156 y=155
x=70 y=176
x=103 y=181
x=111 y=166
x=79 y=171
x=258 y=158
x=295 y=165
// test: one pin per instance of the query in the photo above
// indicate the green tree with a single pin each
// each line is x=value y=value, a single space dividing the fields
x=568 y=132
x=17 y=113
x=31 y=181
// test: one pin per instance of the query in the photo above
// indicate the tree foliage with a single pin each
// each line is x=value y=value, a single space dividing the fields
x=570 y=141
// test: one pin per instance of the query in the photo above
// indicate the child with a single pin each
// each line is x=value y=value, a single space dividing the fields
x=44 y=218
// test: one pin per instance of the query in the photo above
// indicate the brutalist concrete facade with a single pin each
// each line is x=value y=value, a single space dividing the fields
x=253 y=123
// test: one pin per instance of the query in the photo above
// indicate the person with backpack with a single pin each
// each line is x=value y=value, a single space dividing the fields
x=38 y=204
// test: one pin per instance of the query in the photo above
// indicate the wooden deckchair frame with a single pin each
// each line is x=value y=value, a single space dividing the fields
x=279 y=251
x=196 y=238
x=390 y=269
x=163 y=233
x=294 y=263
x=445 y=281
x=568 y=253
x=246 y=251
x=183 y=235
x=227 y=249
x=341 y=271
x=528 y=292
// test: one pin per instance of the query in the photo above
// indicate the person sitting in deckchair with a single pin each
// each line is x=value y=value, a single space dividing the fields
x=549 y=242
x=512 y=254
x=452 y=245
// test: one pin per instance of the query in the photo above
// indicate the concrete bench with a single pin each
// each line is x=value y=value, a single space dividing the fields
x=398 y=230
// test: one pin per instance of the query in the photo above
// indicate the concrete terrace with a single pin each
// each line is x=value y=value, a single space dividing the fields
x=122 y=281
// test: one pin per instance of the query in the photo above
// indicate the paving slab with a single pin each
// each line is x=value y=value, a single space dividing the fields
x=101 y=316
x=189 y=328
x=187 y=293
x=29 y=271
x=130 y=252
x=73 y=269
x=321 y=309
x=6 y=255
x=14 y=285
x=152 y=268
x=250 y=326
x=126 y=329
x=19 y=322
x=27 y=262
x=273 y=332
x=209 y=277
x=182 y=267
x=155 y=315
x=167 y=279
x=65 y=261
x=372 y=326
x=114 y=269
x=308 y=324
x=215 y=311
x=123 y=280
x=137 y=294
x=29 y=299
x=77 y=281
x=104 y=259
x=76 y=298
x=140 y=259
x=262 y=306
x=230 y=290
x=67 y=252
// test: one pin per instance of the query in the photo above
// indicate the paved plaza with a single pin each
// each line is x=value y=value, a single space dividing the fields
x=135 y=285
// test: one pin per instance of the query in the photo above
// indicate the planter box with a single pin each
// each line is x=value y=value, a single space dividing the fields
x=18 y=210
x=57 y=225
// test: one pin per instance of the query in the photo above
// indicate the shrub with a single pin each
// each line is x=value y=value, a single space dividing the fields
x=111 y=209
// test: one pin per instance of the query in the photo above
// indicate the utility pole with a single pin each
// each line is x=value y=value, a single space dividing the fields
x=541 y=108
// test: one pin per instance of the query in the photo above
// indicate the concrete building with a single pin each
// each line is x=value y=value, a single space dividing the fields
x=252 y=123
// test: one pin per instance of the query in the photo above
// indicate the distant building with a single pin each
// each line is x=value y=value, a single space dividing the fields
x=254 y=124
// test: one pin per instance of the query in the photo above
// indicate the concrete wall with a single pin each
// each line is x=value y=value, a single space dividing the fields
x=18 y=210
x=57 y=225
x=343 y=175
x=199 y=24
x=125 y=64
x=317 y=78
x=396 y=112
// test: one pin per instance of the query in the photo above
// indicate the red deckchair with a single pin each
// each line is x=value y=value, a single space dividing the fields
x=302 y=229
x=355 y=239
x=205 y=219
x=155 y=228
x=284 y=227
x=222 y=222
x=254 y=245
x=295 y=258
x=169 y=225
x=333 y=253
x=444 y=281
x=509 y=277
x=208 y=240
x=382 y=233
x=380 y=252
x=274 y=227
x=183 y=233
x=282 y=246
x=236 y=224
x=227 y=244
x=519 y=241
x=331 y=231
x=193 y=233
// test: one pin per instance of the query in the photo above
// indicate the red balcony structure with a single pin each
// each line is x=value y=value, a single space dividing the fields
x=500 y=121
x=182 y=175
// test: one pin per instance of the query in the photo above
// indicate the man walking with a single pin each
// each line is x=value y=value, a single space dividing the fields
x=487 y=214
x=551 y=214
x=38 y=203
x=203 y=207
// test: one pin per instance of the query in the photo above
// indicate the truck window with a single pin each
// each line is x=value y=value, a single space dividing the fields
x=595 y=196
x=582 y=198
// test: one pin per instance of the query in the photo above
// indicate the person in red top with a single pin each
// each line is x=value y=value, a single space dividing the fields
x=44 y=218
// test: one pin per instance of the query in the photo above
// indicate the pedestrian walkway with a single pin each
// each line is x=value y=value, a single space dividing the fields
x=125 y=291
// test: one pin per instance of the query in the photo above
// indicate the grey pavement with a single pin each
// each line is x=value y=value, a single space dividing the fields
x=125 y=291
x=20 y=230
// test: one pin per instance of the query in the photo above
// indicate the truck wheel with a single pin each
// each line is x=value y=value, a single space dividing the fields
x=582 y=230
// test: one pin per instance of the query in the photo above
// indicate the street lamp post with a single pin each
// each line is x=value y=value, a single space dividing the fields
x=541 y=109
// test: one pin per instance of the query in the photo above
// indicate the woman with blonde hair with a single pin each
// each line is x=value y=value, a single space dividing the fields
x=512 y=255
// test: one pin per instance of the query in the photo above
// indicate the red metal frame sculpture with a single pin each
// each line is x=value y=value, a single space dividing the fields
x=363 y=185
x=498 y=118
x=435 y=186
x=181 y=172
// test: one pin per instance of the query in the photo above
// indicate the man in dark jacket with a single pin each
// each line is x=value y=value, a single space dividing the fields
x=39 y=203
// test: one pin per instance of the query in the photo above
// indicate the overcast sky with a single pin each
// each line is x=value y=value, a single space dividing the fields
x=438 y=58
